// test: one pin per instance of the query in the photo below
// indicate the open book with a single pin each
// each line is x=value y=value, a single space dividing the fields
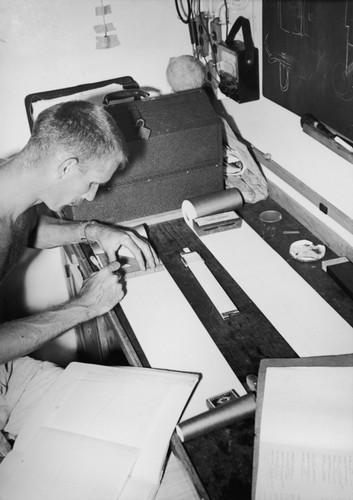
x=304 y=429
x=101 y=433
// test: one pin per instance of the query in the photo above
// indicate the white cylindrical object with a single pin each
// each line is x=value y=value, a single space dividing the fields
x=217 y=418
x=212 y=203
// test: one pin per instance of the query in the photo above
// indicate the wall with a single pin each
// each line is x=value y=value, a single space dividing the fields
x=51 y=44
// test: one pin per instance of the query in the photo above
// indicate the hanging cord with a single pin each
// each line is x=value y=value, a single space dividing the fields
x=227 y=16
x=104 y=21
x=210 y=40
x=187 y=14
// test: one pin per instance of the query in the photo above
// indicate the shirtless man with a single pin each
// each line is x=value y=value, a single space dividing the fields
x=74 y=148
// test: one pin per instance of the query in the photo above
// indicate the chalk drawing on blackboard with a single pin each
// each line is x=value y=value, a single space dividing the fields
x=308 y=59
x=342 y=74
x=293 y=17
x=286 y=63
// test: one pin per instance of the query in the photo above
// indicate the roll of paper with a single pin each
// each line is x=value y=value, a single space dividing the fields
x=217 y=418
x=213 y=203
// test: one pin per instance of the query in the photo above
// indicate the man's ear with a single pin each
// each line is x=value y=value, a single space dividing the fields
x=67 y=167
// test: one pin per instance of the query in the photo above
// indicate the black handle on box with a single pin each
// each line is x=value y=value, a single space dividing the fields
x=128 y=94
x=243 y=23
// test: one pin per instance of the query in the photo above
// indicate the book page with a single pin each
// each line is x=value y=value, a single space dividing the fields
x=306 y=436
x=116 y=404
x=113 y=411
x=159 y=433
x=138 y=489
x=304 y=473
x=78 y=467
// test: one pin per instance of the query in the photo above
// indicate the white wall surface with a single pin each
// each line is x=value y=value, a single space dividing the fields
x=50 y=44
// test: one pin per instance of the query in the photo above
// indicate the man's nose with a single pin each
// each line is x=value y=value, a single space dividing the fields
x=91 y=194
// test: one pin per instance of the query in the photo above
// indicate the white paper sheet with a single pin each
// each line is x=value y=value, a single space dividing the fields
x=172 y=337
x=304 y=319
x=210 y=285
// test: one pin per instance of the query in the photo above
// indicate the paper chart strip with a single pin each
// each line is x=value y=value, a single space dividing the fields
x=208 y=282
x=172 y=337
x=304 y=319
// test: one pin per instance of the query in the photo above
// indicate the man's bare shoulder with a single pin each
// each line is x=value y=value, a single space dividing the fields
x=5 y=229
x=27 y=219
x=14 y=239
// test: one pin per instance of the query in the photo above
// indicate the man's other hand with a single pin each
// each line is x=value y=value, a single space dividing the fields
x=102 y=290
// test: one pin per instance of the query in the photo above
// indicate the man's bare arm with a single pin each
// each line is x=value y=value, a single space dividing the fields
x=100 y=292
x=23 y=336
x=52 y=232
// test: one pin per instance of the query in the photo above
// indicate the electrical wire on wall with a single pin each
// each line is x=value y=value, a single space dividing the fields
x=203 y=45
x=209 y=44
x=186 y=16
x=214 y=44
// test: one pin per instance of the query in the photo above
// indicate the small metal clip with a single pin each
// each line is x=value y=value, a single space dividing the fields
x=187 y=256
x=140 y=123
x=143 y=131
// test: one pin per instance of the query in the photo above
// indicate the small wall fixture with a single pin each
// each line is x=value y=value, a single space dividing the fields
x=105 y=39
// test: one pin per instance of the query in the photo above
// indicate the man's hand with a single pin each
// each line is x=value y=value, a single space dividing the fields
x=102 y=290
x=111 y=239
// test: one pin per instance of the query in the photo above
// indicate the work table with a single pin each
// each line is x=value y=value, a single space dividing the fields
x=223 y=459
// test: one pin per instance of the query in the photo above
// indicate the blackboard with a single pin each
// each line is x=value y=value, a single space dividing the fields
x=308 y=59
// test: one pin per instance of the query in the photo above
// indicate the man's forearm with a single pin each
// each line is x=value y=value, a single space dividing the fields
x=51 y=232
x=23 y=336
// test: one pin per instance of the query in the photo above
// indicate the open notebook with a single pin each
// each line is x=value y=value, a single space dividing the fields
x=304 y=429
x=100 y=433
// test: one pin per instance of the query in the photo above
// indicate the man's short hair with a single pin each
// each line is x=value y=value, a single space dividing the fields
x=80 y=128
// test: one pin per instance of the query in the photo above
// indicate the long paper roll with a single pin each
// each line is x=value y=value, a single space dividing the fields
x=217 y=418
x=213 y=203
